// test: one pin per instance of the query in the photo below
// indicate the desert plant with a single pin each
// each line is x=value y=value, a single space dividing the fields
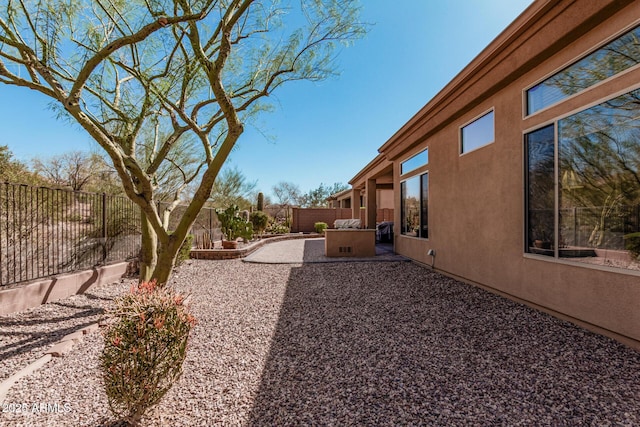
x=320 y=227
x=278 y=227
x=260 y=220
x=145 y=344
x=632 y=244
x=260 y=204
x=232 y=226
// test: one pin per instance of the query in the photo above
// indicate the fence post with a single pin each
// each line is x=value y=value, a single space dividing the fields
x=104 y=227
x=210 y=224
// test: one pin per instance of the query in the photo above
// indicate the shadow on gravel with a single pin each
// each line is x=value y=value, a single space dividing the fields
x=396 y=344
x=35 y=337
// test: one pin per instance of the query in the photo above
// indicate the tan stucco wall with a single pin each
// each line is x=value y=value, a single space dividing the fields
x=350 y=243
x=384 y=199
x=476 y=201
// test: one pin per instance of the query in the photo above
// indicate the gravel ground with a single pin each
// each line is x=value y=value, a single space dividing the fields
x=357 y=344
x=25 y=336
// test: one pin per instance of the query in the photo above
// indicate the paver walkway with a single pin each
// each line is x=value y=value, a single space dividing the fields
x=312 y=251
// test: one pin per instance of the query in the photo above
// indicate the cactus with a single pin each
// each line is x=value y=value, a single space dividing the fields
x=260 y=201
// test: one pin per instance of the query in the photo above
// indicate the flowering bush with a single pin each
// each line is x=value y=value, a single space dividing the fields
x=144 y=348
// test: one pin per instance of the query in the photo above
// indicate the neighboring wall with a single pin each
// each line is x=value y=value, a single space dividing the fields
x=304 y=219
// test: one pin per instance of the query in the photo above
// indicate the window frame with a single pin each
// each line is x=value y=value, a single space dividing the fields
x=461 y=151
x=415 y=168
x=421 y=209
x=575 y=60
x=556 y=258
x=418 y=173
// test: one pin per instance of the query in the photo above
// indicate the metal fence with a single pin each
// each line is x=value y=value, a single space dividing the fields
x=205 y=228
x=599 y=226
x=45 y=231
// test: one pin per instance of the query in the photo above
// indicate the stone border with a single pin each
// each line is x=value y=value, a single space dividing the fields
x=22 y=297
x=59 y=349
x=222 y=254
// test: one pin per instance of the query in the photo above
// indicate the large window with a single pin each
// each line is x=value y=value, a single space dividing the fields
x=617 y=56
x=477 y=134
x=583 y=185
x=541 y=190
x=414 y=195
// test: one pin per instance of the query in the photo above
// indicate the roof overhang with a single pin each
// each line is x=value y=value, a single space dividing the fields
x=542 y=30
x=377 y=168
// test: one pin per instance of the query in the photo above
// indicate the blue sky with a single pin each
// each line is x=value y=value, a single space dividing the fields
x=321 y=132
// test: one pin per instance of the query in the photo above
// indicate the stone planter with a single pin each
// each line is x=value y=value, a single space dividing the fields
x=229 y=244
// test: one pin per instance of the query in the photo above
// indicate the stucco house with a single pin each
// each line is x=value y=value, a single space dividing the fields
x=522 y=175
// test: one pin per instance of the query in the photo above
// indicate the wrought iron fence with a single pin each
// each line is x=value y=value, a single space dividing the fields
x=205 y=228
x=45 y=231
x=599 y=226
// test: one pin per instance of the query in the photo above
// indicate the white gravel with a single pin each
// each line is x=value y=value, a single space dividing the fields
x=26 y=335
x=377 y=343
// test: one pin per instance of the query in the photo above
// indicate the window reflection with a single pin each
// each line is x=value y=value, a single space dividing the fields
x=617 y=56
x=411 y=206
x=477 y=133
x=420 y=159
x=424 y=211
x=598 y=180
x=414 y=194
x=540 y=194
x=599 y=160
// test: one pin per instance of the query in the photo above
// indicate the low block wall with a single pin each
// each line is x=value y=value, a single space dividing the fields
x=54 y=288
x=350 y=243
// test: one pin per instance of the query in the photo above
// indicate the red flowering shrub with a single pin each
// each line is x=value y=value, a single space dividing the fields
x=144 y=348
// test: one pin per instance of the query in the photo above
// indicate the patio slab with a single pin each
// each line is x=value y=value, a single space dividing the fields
x=312 y=251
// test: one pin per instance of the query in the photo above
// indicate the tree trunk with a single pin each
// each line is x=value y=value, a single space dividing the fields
x=166 y=260
x=149 y=249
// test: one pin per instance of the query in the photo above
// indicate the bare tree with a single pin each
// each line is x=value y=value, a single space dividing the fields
x=286 y=194
x=192 y=70
x=317 y=197
x=74 y=169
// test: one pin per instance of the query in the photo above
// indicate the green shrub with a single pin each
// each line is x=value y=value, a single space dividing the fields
x=144 y=347
x=185 y=250
x=277 y=227
x=260 y=220
x=632 y=244
x=232 y=225
x=320 y=227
